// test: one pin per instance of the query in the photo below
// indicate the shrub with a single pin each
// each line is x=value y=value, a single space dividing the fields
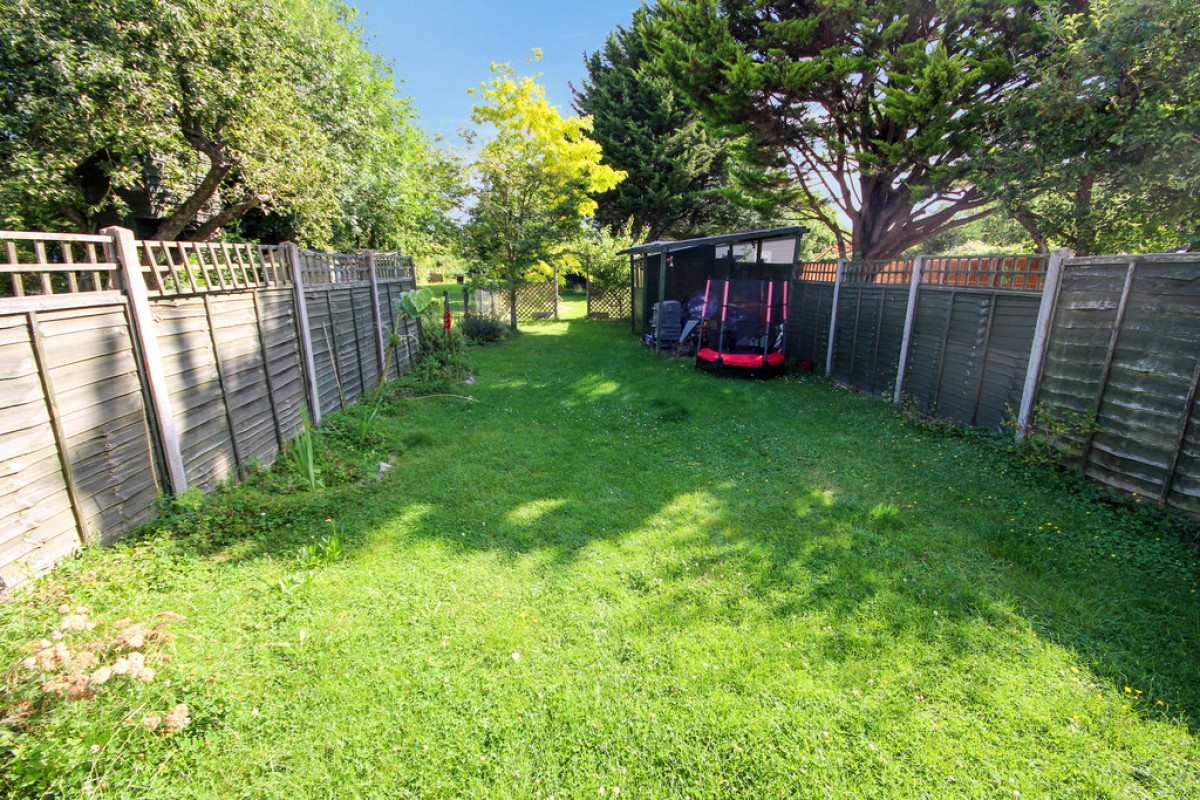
x=483 y=329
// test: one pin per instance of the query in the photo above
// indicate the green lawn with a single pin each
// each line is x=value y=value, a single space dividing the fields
x=615 y=576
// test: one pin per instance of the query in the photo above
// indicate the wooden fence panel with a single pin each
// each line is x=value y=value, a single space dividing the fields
x=98 y=392
x=1124 y=352
x=189 y=359
x=1006 y=359
x=247 y=384
x=37 y=523
x=77 y=459
x=277 y=315
x=970 y=350
x=345 y=332
x=406 y=350
x=870 y=332
x=331 y=393
x=1084 y=318
x=809 y=308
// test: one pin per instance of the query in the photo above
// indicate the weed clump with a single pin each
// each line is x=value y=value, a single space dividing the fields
x=115 y=669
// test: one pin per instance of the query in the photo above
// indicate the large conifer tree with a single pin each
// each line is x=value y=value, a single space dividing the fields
x=679 y=182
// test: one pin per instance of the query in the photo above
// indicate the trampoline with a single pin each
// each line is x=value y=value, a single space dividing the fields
x=743 y=326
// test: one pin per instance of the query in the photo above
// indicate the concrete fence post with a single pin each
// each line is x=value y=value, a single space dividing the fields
x=377 y=315
x=833 y=314
x=1041 y=337
x=292 y=252
x=133 y=282
x=910 y=318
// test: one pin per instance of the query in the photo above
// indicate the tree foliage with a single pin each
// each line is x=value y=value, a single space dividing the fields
x=535 y=177
x=863 y=113
x=596 y=252
x=1103 y=152
x=680 y=184
x=214 y=107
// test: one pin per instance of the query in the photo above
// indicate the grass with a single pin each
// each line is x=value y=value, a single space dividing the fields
x=614 y=573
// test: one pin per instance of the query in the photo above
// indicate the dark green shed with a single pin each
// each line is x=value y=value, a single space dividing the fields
x=678 y=270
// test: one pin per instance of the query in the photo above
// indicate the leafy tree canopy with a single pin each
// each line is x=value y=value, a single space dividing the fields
x=679 y=182
x=870 y=109
x=536 y=179
x=595 y=252
x=216 y=107
x=1103 y=152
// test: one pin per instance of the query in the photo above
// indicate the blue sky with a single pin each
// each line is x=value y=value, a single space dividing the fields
x=439 y=50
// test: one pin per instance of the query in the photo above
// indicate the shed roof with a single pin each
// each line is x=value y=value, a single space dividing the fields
x=728 y=238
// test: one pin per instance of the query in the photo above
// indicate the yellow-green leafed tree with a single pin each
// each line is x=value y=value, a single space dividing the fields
x=534 y=177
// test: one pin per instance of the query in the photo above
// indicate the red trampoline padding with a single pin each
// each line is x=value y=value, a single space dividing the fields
x=775 y=359
x=707 y=354
x=741 y=360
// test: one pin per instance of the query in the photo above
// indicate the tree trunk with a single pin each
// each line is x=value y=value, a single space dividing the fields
x=228 y=215
x=218 y=167
x=889 y=223
x=1030 y=224
x=1085 y=226
x=512 y=306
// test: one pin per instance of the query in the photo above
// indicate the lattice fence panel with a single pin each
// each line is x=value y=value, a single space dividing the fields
x=612 y=302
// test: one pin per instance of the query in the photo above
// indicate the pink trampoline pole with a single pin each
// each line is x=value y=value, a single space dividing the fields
x=724 y=308
x=767 y=330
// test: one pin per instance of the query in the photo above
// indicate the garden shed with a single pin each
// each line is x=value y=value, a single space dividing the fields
x=680 y=270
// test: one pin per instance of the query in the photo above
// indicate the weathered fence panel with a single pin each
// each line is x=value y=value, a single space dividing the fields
x=872 y=305
x=93 y=427
x=79 y=463
x=973 y=327
x=809 y=308
x=395 y=275
x=1124 y=352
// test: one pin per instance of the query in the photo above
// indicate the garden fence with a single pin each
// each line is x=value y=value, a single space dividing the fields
x=607 y=302
x=132 y=368
x=985 y=340
x=1123 y=354
x=534 y=301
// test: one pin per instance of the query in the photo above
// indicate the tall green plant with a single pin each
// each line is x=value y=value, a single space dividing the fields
x=304 y=453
